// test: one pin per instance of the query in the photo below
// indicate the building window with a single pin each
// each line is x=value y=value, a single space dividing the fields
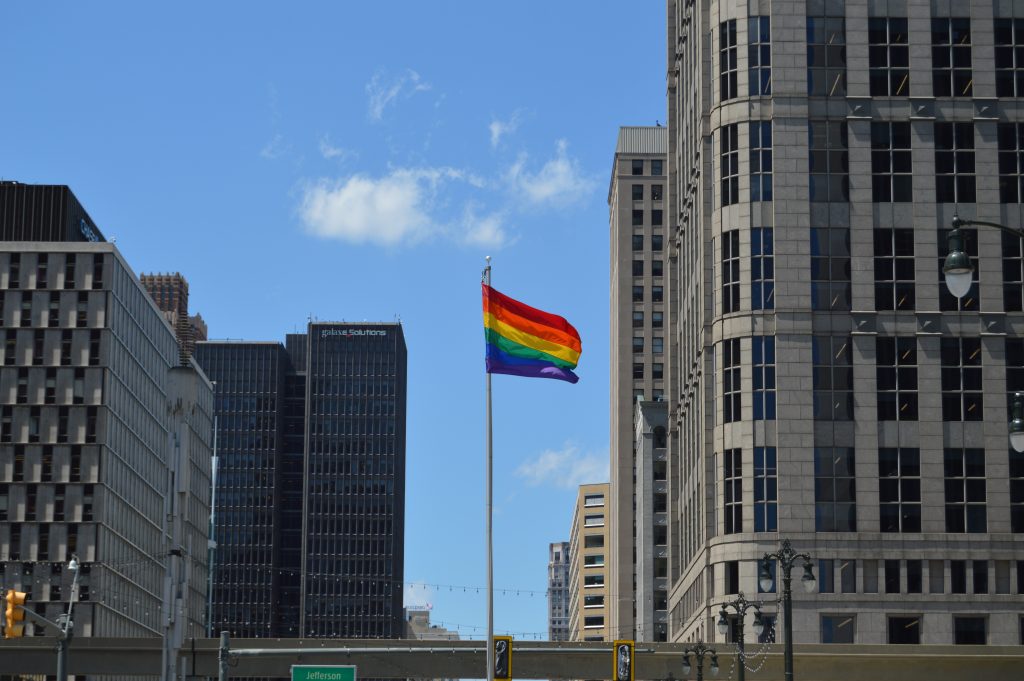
x=657 y=371
x=759 y=56
x=658 y=345
x=891 y=165
x=954 y=163
x=951 y=57
x=657 y=294
x=1009 y=41
x=593 y=541
x=657 y=243
x=730 y=271
x=657 y=268
x=760 y=160
x=915 y=577
x=638 y=320
x=979 y=569
x=829 y=160
x=764 y=377
x=638 y=192
x=638 y=294
x=637 y=166
x=965 y=490
x=894 y=269
x=593 y=520
x=638 y=268
x=891 y=574
x=765 y=490
x=593 y=500
x=969 y=631
x=595 y=560
x=962 y=398
x=903 y=630
x=656 y=168
x=638 y=217
x=972 y=299
x=833 y=378
x=888 y=57
x=837 y=628
x=958 y=576
x=762 y=269
x=638 y=371
x=1013 y=273
x=731 y=379
x=732 y=481
x=830 y=268
x=896 y=374
x=657 y=192
x=1016 y=491
x=1010 y=140
x=727 y=60
x=835 y=490
x=657 y=217
x=593 y=601
x=729 y=148
x=638 y=242
x=826 y=56
x=899 y=489
x=593 y=580
x=657 y=320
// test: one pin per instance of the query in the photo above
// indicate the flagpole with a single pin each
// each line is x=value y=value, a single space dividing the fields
x=490 y=492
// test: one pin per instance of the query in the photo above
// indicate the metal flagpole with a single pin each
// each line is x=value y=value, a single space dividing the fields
x=490 y=491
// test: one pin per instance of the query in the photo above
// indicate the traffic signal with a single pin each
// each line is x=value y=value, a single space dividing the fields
x=15 y=615
x=503 y=657
x=622 y=661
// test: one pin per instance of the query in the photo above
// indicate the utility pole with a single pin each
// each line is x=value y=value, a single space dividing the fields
x=64 y=627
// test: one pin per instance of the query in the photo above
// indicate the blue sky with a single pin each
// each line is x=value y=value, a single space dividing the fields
x=357 y=161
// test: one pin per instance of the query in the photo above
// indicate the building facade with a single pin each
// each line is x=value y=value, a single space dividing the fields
x=309 y=507
x=827 y=388
x=588 y=571
x=636 y=208
x=104 y=434
x=170 y=293
x=558 y=591
x=651 y=522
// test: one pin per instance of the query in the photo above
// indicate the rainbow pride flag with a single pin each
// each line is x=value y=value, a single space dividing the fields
x=525 y=341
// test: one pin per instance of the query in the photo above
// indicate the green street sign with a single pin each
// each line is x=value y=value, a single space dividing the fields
x=304 y=672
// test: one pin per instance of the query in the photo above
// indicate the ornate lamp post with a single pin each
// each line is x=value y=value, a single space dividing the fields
x=787 y=557
x=741 y=605
x=699 y=651
x=959 y=271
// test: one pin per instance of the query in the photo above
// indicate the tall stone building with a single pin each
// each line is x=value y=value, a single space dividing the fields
x=636 y=208
x=588 y=570
x=310 y=497
x=558 y=591
x=104 y=433
x=825 y=386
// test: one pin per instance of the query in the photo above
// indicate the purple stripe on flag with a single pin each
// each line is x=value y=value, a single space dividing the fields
x=496 y=366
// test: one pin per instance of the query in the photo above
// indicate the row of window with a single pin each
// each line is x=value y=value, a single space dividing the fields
x=891 y=162
x=637 y=167
x=42 y=272
x=899 y=490
x=888 y=57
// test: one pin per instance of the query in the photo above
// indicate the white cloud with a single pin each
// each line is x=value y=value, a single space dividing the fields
x=485 y=231
x=383 y=91
x=560 y=181
x=500 y=128
x=418 y=595
x=329 y=151
x=275 y=148
x=387 y=211
x=567 y=468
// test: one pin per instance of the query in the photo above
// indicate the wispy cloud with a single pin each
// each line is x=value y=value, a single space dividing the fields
x=559 y=182
x=567 y=467
x=384 y=91
x=275 y=148
x=330 y=152
x=501 y=128
x=485 y=231
x=387 y=211
x=418 y=595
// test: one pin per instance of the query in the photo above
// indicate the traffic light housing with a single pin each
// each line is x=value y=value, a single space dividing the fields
x=622 y=661
x=502 y=658
x=15 y=615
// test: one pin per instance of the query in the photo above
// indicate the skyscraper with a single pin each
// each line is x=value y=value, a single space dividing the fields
x=558 y=591
x=830 y=390
x=636 y=203
x=309 y=509
x=588 y=571
x=104 y=433
x=170 y=293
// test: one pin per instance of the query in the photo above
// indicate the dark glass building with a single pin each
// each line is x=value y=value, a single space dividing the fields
x=310 y=492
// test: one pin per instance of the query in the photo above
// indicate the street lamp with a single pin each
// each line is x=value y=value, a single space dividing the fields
x=787 y=557
x=699 y=651
x=741 y=605
x=959 y=270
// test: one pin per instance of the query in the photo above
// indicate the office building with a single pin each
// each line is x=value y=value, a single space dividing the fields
x=588 y=571
x=558 y=591
x=419 y=628
x=104 y=434
x=170 y=293
x=309 y=507
x=830 y=390
x=651 y=520
x=636 y=207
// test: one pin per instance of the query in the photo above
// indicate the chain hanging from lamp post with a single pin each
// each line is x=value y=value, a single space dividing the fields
x=699 y=651
x=741 y=605
x=787 y=557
